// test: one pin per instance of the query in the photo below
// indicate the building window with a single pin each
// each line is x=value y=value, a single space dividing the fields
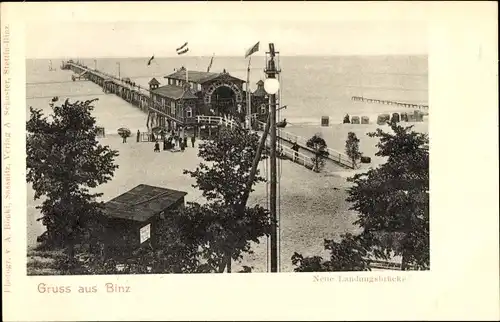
x=172 y=108
x=263 y=108
x=189 y=112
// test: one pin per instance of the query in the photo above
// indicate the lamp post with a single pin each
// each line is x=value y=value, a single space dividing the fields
x=272 y=86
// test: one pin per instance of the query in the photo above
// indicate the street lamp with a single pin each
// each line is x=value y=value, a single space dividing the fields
x=271 y=86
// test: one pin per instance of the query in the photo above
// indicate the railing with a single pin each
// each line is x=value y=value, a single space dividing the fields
x=217 y=120
x=297 y=157
x=333 y=155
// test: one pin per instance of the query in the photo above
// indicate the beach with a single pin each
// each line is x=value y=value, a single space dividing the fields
x=311 y=205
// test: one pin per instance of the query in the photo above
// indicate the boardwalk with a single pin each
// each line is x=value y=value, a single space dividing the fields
x=141 y=97
x=386 y=102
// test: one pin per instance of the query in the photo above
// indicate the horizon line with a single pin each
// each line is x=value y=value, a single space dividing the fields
x=232 y=56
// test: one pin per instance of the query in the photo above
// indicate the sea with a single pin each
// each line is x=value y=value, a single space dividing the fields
x=311 y=87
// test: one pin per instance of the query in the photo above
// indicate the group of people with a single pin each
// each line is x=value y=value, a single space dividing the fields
x=174 y=142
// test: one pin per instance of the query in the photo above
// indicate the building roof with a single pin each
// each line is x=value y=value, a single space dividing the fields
x=142 y=202
x=197 y=76
x=174 y=92
x=154 y=81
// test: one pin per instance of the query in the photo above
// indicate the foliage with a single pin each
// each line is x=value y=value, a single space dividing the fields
x=394 y=198
x=64 y=161
x=124 y=132
x=347 y=255
x=393 y=204
x=318 y=144
x=352 y=147
x=223 y=226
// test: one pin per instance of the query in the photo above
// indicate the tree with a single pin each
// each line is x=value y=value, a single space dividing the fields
x=394 y=198
x=64 y=161
x=225 y=229
x=393 y=203
x=347 y=255
x=320 y=148
x=124 y=133
x=352 y=147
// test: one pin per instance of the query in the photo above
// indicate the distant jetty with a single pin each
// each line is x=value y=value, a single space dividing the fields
x=378 y=101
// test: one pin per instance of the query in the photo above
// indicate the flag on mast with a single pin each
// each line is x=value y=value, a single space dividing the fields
x=249 y=97
x=253 y=49
x=210 y=65
x=183 y=49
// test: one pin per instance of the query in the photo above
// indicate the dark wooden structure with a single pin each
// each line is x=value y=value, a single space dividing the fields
x=131 y=219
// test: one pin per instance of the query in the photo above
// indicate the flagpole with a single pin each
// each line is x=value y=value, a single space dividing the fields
x=249 y=97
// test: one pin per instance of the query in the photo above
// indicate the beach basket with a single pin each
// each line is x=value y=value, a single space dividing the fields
x=419 y=116
x=355 y=120
x=404 y=117
x=365 y=120
x=325 y=121
x=346 y=120
x=395 y=118
x=383 y=119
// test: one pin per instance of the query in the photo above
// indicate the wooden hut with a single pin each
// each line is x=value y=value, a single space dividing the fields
x=131 y=219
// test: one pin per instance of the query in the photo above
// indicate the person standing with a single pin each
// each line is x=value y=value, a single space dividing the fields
x=192 y=141
x=295 y=147
x=157 y=146
x=138 y=135
x=185 y=141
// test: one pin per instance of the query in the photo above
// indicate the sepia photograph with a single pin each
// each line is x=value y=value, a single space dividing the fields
x=209 y=147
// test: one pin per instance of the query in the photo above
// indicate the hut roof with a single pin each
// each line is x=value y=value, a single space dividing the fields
x=260 y=91
x=142 y=202
x=197 y=76
x=174 y=92
x=154 y=81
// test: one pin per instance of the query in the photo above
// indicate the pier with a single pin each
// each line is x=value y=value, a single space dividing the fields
x=195 y=99
x=387 y=102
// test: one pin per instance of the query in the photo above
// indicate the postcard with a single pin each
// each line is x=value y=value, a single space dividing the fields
x=342 y=155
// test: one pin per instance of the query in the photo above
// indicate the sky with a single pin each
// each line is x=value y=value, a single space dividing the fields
x=223 y=38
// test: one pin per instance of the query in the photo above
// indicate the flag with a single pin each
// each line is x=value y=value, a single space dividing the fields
x=210 y=65
x=252 y=50
x=151 y=59
x=182 y=49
